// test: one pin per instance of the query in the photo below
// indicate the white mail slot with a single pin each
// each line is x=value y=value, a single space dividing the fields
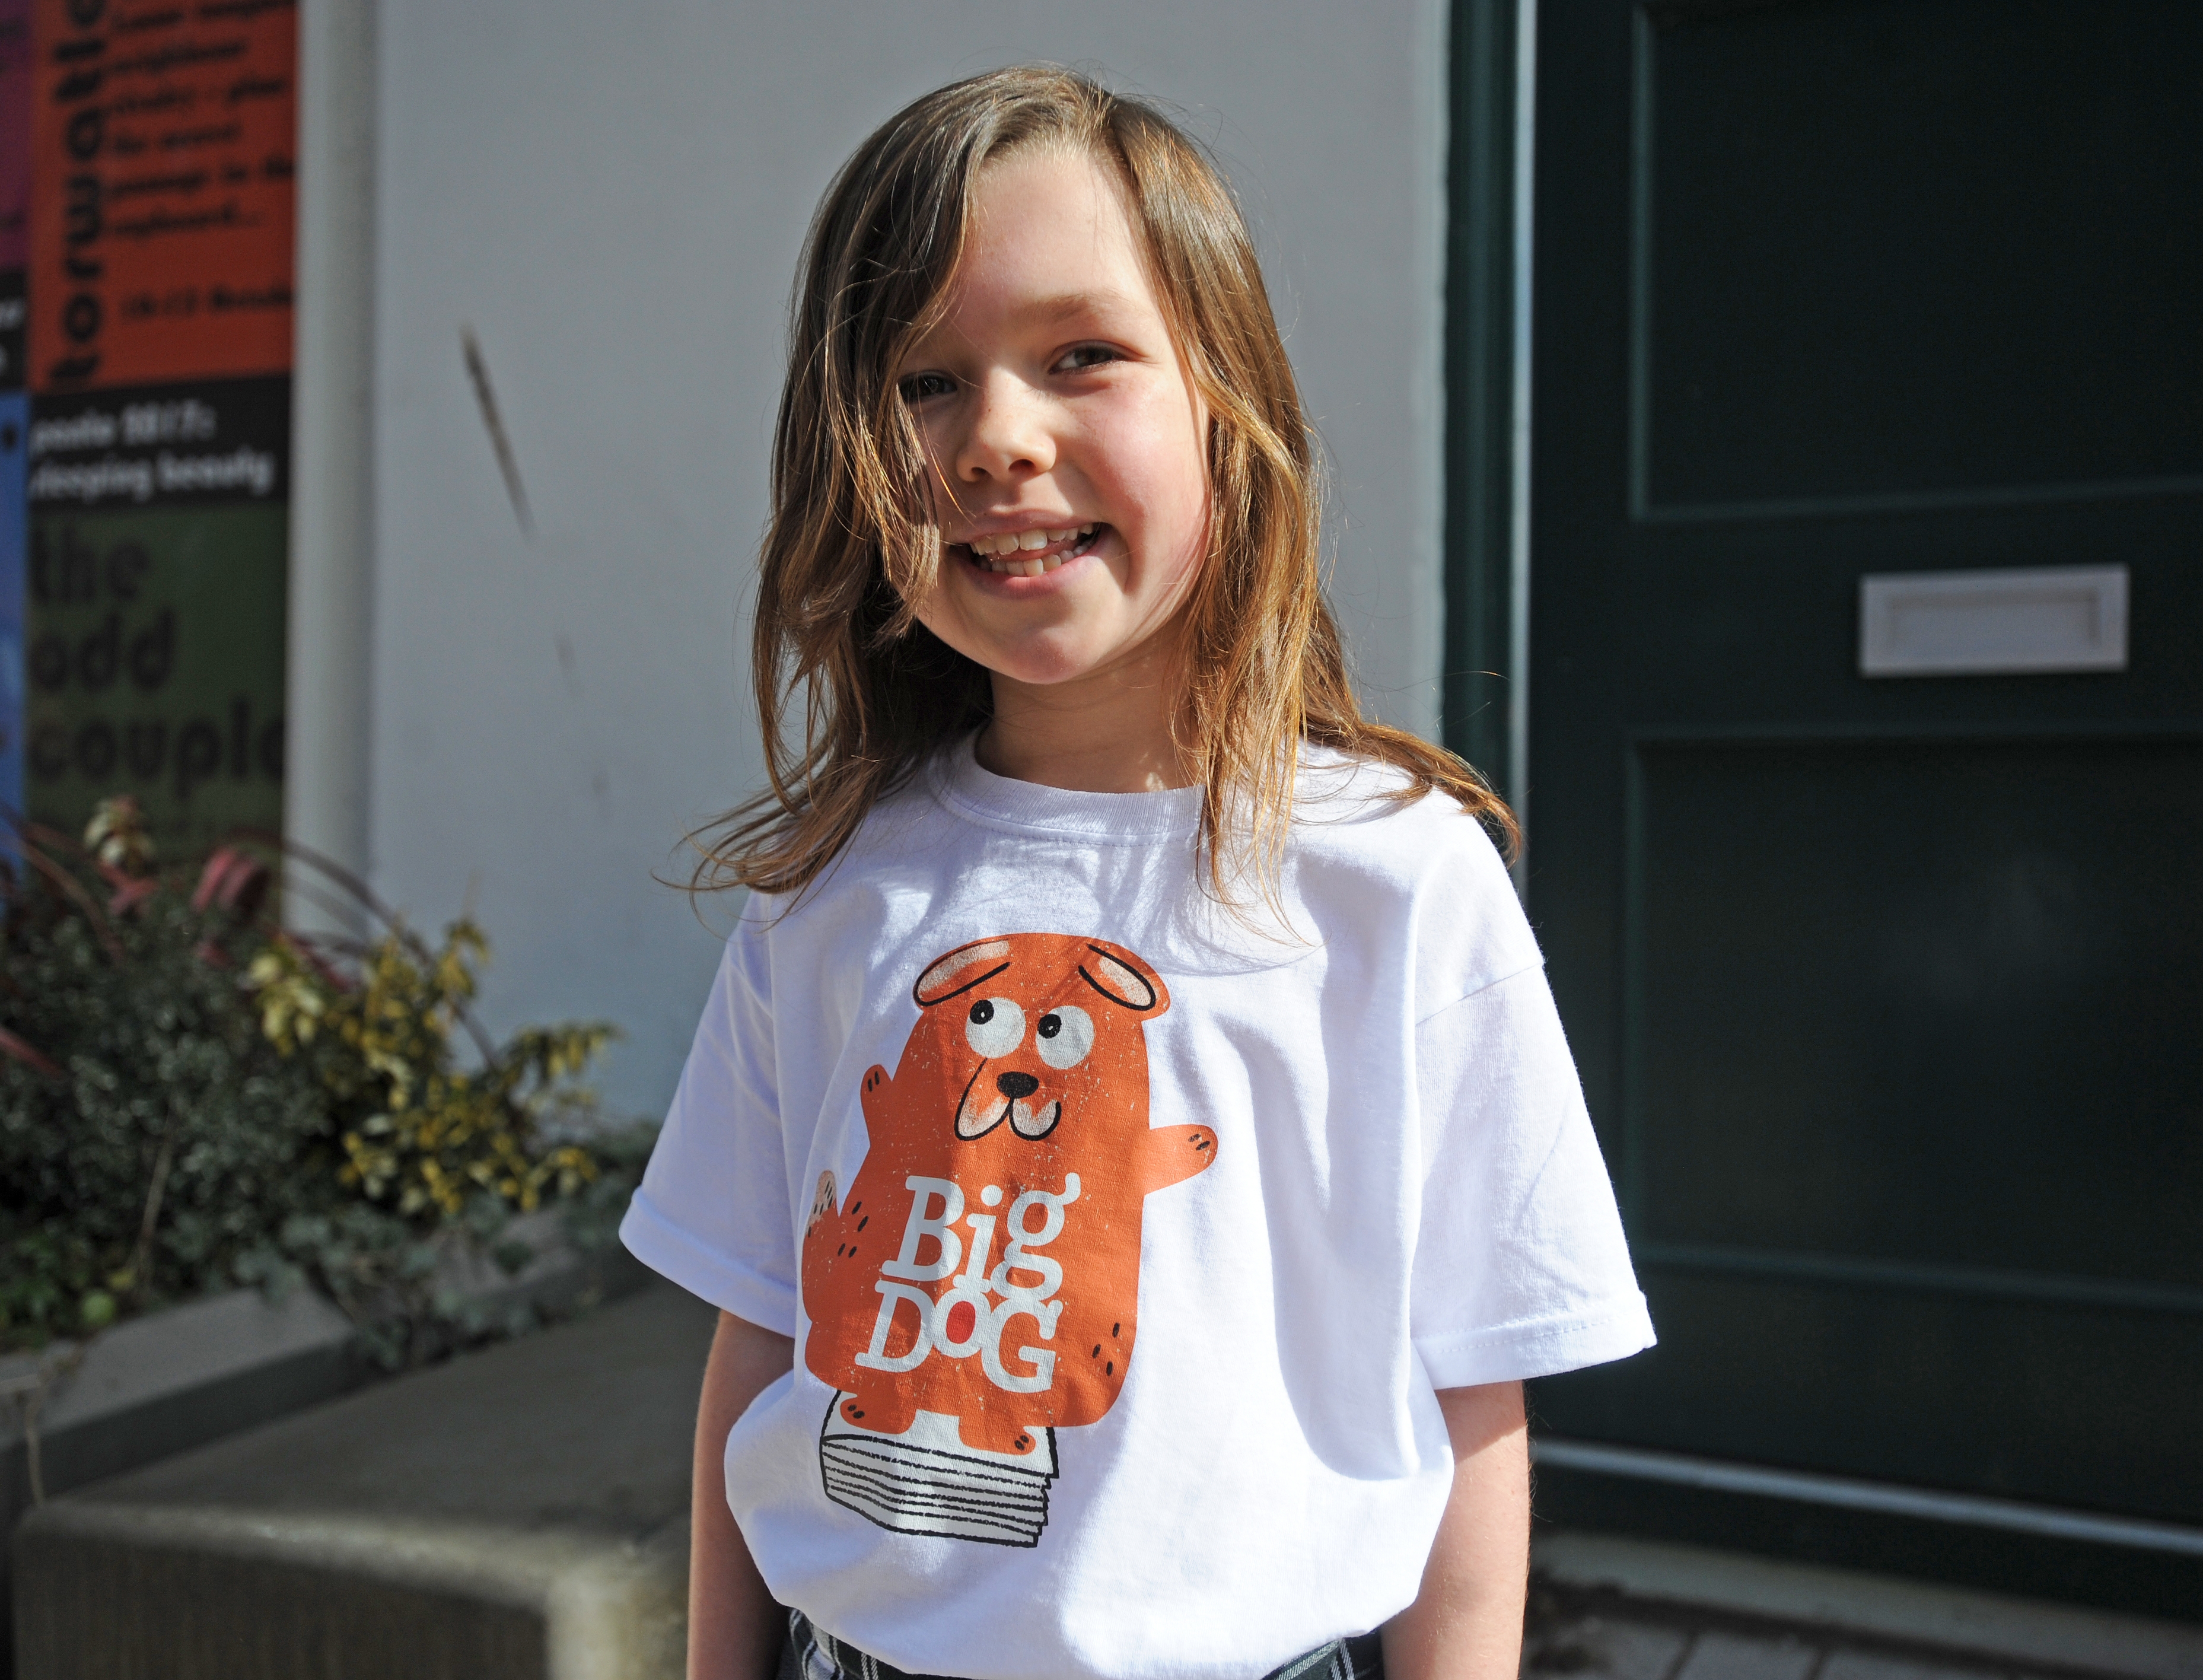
x=1962 y=624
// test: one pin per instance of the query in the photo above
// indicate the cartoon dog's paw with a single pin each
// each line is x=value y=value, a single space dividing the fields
x=883 y=1411
x=874 y=1091
x=991 y=1432
x=822 y=1204
x=1176 y=1153
x=1109 y=1356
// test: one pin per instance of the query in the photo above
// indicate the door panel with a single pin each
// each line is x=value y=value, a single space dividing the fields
x=1888 y=992
x=1892 y=949
x=2032 y=326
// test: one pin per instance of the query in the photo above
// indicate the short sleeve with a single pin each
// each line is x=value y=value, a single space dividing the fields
x=1520 y=1268
x=712 y=1212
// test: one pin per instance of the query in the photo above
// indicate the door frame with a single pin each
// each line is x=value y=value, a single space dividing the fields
x=1485 y=694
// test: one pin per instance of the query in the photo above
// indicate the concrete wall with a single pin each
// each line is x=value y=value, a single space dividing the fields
x=611 y=198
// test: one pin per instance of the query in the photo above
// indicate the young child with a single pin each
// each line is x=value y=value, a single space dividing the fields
x=1130 y=1138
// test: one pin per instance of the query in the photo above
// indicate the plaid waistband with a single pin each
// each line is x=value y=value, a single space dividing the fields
x=813 y=1653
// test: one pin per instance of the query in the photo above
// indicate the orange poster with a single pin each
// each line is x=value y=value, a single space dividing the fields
x=161 y=216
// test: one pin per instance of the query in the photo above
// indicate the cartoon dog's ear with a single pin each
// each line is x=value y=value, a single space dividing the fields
x=960 y=971
x=1122 y=978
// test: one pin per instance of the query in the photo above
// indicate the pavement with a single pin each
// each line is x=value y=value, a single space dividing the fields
x=1604 y=1607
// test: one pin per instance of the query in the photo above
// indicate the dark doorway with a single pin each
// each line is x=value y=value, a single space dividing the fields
x=1887 y=990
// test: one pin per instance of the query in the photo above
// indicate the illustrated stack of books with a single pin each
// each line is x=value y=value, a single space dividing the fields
x=926 y=1481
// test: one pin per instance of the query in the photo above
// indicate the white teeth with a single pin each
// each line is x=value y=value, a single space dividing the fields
x=1022 y=542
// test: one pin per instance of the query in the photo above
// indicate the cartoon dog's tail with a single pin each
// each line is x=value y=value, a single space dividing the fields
x=825 y=1240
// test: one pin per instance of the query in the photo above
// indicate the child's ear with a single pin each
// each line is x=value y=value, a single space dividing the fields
x=1123 y=978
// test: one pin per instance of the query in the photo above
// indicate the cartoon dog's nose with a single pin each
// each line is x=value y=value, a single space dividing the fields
x=1016 y=1085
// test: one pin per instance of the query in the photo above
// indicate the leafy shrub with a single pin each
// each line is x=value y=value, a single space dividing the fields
x=148 y=1132
x=191 y=1097
x=420 y=1134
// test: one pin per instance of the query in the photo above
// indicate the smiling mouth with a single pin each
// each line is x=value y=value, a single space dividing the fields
x=1031 y=554
x=1029 y=1120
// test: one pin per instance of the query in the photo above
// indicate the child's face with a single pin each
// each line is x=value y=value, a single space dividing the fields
x=1067 y=446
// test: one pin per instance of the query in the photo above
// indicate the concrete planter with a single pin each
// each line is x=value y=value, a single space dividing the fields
x=161 y=1384
x=155 y=1386
x=518 y=1513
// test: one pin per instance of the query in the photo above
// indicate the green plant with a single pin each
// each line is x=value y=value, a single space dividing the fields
x=148 y=1132
x=190 y=1095
x=435 y=1149
x=421 y=1133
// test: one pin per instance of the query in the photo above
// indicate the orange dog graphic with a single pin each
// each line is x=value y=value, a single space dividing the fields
x=986 y=1265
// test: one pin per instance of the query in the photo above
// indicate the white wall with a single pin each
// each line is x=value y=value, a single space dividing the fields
x=612 y=196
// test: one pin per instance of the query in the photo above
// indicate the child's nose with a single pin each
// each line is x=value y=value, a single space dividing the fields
x=1016 y=1085
x=1007 y=439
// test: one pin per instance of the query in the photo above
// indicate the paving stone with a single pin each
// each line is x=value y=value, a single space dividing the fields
x=1988 y=1634
x=1594 y=1647
x=1869 y=1665
x=1727 y=1656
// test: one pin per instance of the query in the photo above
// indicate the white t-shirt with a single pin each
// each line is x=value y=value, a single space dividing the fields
x=1006 y=1081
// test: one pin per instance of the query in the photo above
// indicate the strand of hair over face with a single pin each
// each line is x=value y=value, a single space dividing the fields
x=853 y=693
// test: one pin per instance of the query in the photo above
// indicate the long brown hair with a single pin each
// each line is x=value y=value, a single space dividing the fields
x=852 y=547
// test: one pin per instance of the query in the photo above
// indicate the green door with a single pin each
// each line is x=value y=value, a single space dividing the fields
x=1888 y=989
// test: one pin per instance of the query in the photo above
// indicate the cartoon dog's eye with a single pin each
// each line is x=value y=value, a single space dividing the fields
x=1066 y=1034
x=995 y=1027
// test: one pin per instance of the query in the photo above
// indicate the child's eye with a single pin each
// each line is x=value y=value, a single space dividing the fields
x=916 y=387
x=1086 y=356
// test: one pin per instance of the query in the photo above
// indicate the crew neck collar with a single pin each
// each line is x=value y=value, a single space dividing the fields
x=963 y=786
